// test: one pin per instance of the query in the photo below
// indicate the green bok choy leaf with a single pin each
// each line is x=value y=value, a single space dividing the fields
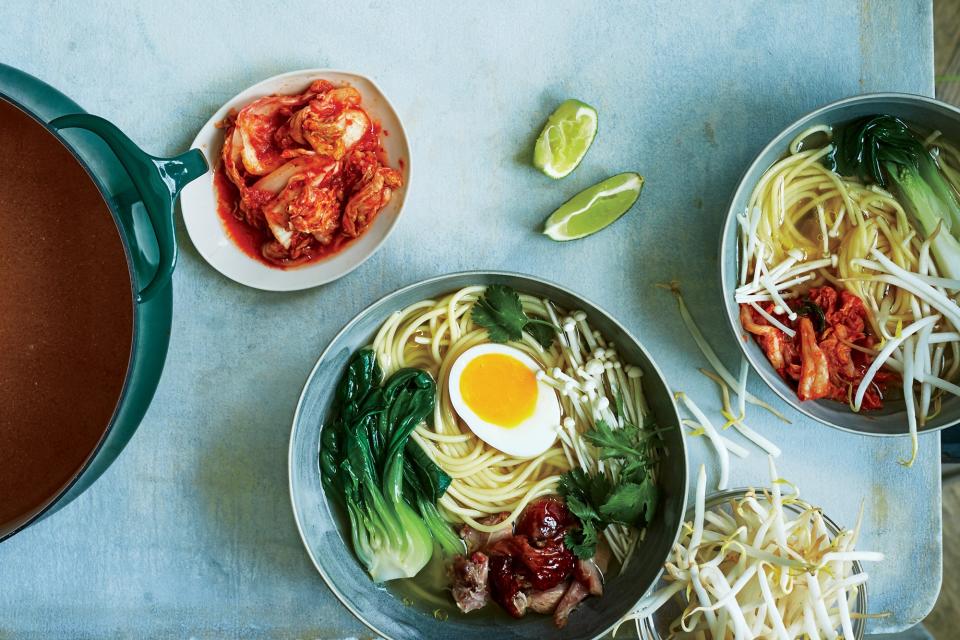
x=385 y=481
x=883 y=150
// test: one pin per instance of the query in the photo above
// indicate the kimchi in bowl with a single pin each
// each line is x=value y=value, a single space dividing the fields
x=247 y=253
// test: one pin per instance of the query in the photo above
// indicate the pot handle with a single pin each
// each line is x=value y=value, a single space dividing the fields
x=157 y=180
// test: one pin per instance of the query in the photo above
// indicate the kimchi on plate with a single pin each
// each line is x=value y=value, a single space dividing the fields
x=302 y=175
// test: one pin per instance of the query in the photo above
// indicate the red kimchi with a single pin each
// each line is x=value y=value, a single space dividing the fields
x=304 y=173
x=830 y=351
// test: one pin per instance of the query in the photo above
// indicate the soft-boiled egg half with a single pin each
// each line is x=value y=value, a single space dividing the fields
x=495 y=391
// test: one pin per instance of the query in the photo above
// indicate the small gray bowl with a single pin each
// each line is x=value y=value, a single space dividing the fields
x=325 y=535
x=892 y=419
x=658 y=626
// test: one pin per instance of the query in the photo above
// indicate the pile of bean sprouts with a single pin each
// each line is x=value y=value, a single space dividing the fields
x=761 y=565
x=700 y=424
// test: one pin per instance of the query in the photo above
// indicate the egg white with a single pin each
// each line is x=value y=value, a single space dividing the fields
x=530 y=438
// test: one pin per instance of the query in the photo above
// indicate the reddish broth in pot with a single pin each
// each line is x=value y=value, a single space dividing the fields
x=66 y=326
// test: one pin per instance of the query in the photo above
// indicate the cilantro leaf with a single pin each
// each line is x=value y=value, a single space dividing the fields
x=635 y=471
x=600 y=488
x=623 y=505
x=631 y=503
x=542 y=332
x=583 y=510
x=583 y=541
x=574 y=485
x=651 y=498
x=587 y=489
x=615 y=443
x=500 y=312
x=582 y=492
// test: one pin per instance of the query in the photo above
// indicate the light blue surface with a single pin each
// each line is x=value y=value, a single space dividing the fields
x=190 y=533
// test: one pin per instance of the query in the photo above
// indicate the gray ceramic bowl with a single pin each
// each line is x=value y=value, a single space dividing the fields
x=322 y=528
x=659 y=627
x=926 y=112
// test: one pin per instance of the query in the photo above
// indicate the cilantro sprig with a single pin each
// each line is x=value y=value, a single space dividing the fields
x=500 y=312
x=596 y=501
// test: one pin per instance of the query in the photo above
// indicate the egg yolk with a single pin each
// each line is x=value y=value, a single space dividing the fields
x=499 y=389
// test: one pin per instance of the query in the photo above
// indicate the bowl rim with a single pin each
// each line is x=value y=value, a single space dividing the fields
x=720 y=497
x=436 y=279
x=730 y=219
x=282 y=283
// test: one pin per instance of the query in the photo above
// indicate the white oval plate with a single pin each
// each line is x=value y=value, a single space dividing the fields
x=199 y=201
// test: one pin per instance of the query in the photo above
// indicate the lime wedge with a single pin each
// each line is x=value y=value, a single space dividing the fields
x=564 y=141
x=594 y=208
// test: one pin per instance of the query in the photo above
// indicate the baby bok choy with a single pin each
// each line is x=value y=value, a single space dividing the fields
x=386 y=483
x=883 y=150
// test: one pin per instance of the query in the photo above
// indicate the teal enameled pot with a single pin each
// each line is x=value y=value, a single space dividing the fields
x=140 y=192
